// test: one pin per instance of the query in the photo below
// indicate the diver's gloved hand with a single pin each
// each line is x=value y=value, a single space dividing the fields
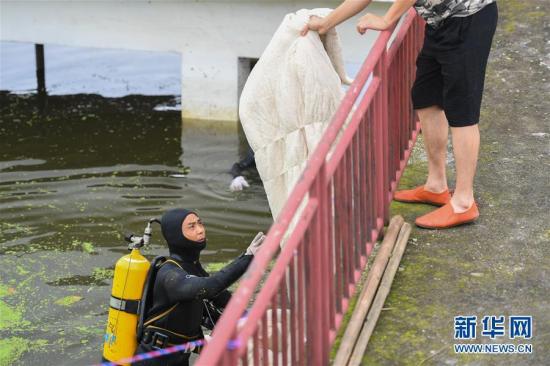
x=255 y=244
x=238 y=183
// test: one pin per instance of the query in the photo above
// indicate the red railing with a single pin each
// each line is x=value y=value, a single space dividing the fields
x=337 y=210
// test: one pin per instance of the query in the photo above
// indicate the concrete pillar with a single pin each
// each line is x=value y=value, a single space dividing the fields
x=209 y=86
x=40 y=69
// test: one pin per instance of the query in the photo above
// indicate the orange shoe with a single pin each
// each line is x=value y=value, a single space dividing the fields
x=420 y=195
x=445 y=217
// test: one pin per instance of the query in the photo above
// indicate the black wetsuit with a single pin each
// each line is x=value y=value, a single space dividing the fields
x=186 y=287
x=247 y=163
x=176 y=311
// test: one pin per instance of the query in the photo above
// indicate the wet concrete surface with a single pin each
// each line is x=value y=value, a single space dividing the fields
x=499 y=265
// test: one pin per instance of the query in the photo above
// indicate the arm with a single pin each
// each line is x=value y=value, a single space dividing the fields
x=239 y=182
x=182 y=287
x=350 y=8
x=342 y=13
x=245 y=164
x=249 y=161
x=372 y=21
x=236 y=170
x=222 y=299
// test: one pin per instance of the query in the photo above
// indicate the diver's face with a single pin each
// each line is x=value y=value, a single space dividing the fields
x=193 y=229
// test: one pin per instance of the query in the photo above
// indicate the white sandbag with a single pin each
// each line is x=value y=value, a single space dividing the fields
x=287 y=102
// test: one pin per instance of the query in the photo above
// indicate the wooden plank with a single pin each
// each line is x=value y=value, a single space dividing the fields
x=369 y=290
x=381 y=295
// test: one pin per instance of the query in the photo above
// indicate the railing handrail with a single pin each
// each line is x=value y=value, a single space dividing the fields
x=226 y=327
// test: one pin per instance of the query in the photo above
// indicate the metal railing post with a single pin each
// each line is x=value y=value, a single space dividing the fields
x=384 y=125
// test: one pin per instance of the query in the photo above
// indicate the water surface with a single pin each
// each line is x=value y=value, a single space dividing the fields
x=76 y=177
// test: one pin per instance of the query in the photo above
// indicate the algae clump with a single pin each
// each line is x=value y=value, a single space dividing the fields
x=5 y=290
x=10 y=317
x=68 y=300
x=11 y=349
x=88 y=248
x=100 y=274
x=215 y=266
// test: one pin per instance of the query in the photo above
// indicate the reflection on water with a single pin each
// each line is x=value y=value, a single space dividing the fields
x=73 y=180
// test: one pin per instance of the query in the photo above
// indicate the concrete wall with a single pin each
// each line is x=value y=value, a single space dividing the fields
x=210 y=35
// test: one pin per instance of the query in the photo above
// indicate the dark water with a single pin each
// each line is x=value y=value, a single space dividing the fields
x=73 y=180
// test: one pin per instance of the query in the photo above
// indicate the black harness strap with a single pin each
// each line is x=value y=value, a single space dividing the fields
x=149 y=283
x=159 y=316
x=128 y=306
x=157 y=338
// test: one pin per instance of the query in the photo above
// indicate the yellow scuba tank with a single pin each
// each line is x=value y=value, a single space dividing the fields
x=120 y=340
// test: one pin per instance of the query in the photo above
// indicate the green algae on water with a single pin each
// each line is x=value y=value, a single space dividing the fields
x=21 y=270
x=215 y=266
x=68 y=300
x=100 y=274
x=88 y=247
x=5 y=290
x=10 y=317
x=11 y=349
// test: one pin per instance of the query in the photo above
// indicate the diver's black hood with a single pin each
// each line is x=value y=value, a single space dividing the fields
x=187 y=250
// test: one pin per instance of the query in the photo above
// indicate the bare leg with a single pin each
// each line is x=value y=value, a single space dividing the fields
x=435 y=131
x=465 y=149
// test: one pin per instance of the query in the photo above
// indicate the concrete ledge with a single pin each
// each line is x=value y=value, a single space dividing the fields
x=210 y=35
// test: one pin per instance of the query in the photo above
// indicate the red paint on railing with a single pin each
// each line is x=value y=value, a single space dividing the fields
x=334 y=216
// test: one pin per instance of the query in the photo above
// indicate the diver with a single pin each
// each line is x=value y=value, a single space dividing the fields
x=239 y=182
x=174 y=312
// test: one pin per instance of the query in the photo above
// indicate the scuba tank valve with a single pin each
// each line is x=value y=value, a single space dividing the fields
x=136 y=242
x=131 y=270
